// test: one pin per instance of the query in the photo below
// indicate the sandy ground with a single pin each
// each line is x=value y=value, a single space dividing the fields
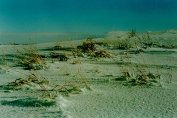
x=107 y=98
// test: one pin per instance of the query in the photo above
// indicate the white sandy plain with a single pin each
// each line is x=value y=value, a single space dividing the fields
x=107 y=98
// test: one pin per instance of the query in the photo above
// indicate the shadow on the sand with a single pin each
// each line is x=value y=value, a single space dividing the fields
x=57 y=48
x=3 y=88
x=160 y=52
x=13 y=97
x=136 y=64
x=8 y=57
x=29 y=102
x=58 y=114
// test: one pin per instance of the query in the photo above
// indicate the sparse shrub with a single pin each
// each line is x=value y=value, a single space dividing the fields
x=76 y=62
x=136 y=74
x=123 y=44
x=61 y=57
x=132 y=33
x=145 y=79
x=102 y=53
x=146 y=40
x=67 y=89
x=138 y=77
x=31 y=59
x=32 y=82
x=88 y=46
x=77 y=53
x=46 y=89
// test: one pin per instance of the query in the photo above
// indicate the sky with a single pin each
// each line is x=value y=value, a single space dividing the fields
x=86 y=15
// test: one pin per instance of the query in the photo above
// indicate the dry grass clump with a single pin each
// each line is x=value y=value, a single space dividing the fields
x=42 y=92
x=42 y=85
x=61 y=57
x=137 y=74
x=76 y=62
x=31 y=59
x=32 y=82
x=139 y=77
x=102 y=53
x=88 y=46
x=81 y=81
x=144 y=79
x=66 y=89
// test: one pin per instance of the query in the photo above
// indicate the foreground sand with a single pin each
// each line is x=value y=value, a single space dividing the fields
x=108 y=98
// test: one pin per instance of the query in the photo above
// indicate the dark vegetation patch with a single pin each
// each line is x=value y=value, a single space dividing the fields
x=30 y=59
x=102 y=54
x=160 y=52
x=147 y=79
x=58 y=48
x=43 y=89
x=29 y=102
x=89 y=48
x=59 y=56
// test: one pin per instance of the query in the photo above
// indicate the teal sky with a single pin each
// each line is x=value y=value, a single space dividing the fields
x=86 y=15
